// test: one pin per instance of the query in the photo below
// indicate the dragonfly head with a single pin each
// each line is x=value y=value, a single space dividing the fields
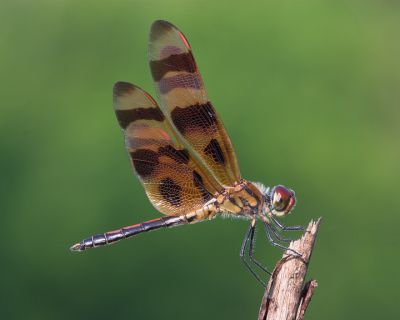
x=280 y=200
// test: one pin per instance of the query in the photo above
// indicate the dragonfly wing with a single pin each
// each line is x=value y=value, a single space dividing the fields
x=184 y=101
x=173 y=181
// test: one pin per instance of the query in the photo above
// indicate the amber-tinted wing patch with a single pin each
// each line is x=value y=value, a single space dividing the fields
x=180 y=156
x=164 y=166
x=145 y=162
x=214 y=151
x=175 y=62
x=171 y=191
x=125 y=117
x=198 y=182
x=184 y=101
x=192 y=117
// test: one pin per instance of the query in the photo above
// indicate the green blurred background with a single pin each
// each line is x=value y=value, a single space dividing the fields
x=309 y=93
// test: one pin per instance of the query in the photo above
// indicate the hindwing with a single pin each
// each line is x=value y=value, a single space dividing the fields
x=174 y=182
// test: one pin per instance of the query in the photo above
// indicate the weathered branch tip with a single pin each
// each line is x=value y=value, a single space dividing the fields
x=285 y=297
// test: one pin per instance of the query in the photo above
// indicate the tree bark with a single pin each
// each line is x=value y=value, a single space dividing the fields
x=285 y=298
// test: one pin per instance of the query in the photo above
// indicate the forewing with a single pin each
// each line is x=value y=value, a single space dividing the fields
x=184 y=101
x=173 y=182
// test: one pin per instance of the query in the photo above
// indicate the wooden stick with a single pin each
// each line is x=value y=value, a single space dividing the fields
x=285 y=297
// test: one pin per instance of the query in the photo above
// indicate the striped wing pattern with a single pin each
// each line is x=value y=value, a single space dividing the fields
x=185 y=103
x=173 y=182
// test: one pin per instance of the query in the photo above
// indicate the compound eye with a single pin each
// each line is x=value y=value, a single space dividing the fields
x=282 y=199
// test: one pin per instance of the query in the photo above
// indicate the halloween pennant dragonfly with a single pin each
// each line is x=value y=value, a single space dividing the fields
x=182 y=154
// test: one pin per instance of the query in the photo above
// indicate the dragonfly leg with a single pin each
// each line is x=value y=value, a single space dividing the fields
x=268 y=231
x=277 y=235
x=242 y=254
x=251 y=253
x=285 y=228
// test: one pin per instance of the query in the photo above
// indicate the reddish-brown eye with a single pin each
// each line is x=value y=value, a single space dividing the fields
x=282 y=199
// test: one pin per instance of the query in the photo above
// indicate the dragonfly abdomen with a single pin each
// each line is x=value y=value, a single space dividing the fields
x=102 y=239
x=106 y=238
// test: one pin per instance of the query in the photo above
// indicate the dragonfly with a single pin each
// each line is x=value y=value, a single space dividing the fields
x=183 y=156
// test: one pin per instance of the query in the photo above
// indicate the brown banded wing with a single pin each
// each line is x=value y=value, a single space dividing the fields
x=184 y=101
x=173 y=182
